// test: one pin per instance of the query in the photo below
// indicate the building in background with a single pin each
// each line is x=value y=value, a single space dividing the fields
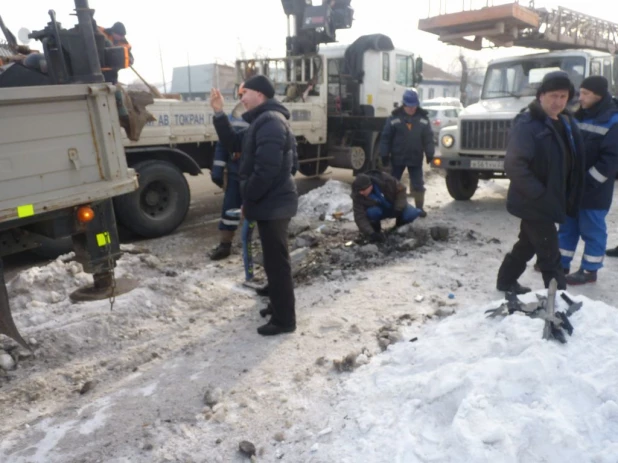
x=193 y=83
x=437 y=83
x=441 y=84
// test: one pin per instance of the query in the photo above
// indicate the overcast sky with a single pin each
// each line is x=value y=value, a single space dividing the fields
x=205 y=31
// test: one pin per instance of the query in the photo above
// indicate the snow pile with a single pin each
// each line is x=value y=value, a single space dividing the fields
x=333 y=196
x=486 y=390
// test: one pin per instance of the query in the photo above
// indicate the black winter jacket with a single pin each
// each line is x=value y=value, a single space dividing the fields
x=535 y=163
x=406 y=138
x=268 y=162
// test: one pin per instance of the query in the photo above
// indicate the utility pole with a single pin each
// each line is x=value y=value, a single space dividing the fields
x=189 y=76
x=162 y=71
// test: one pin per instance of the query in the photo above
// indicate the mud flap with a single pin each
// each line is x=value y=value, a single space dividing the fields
x=7 y=325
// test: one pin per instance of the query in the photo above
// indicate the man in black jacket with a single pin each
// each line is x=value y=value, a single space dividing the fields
x=545 y=164
x=267 y=187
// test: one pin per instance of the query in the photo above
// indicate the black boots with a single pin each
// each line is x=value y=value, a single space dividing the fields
x=224 y=249
x=510 y=270
x=268 y=310
x=270 y=329
x=612 y=252
x=514 y=288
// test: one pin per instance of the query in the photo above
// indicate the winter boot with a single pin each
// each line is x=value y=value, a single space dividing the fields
x=510 y=270
x=581 y=277
x=224 y=249
x=270 y=329
x=263 y=291
x=612 y=252
x=514 y=288
x=268 y=310
x=419 y=202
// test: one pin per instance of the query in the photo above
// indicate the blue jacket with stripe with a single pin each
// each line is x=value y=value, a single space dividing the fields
x=599 y=128
x=222 y=157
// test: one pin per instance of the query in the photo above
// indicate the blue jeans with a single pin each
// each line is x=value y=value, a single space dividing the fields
x=231 y=200
x=591 y=227
x=415 y=173
x=375 y=214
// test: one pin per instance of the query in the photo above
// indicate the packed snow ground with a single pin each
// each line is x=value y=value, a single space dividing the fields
x=176 y=372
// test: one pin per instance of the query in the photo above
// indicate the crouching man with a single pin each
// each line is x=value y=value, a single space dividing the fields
x=377 y=196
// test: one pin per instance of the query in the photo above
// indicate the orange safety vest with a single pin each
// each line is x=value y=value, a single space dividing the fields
x=126 y=45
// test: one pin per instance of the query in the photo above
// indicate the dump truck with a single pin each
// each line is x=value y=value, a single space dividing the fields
x=61 y=157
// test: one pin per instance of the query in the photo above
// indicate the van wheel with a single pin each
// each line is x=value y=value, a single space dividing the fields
x=461 y=184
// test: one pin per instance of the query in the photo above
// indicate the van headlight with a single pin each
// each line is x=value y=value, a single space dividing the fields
x=447 y=141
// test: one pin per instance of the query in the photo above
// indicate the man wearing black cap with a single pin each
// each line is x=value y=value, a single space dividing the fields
x=598 y=121
x=377 y=195
x=545 y=164
x=268 y=191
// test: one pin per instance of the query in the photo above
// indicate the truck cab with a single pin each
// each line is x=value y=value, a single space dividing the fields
x=475 y=148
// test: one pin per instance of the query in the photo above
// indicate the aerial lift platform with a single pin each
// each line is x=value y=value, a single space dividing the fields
x=512 y=24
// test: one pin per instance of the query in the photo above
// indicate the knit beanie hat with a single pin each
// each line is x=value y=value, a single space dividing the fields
x=596 y=84
x=556 y=80
x=361 y=182
x=262 y=84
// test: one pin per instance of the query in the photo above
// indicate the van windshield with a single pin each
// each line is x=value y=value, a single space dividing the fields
x=523 y=77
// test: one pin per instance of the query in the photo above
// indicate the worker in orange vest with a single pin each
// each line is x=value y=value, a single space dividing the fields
x=115 y=36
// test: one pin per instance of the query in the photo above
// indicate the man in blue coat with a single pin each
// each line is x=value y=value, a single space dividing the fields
x=598 y=121
x=224 y=160
x=545 y=164
x=406 y=137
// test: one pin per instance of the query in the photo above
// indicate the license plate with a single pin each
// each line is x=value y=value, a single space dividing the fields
x=489 y=165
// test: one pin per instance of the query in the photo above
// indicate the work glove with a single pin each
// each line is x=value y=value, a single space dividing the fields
x=429 y=160
x=377 y=237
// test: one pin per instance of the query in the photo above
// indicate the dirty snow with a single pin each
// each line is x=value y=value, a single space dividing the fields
x=176 y=371
x=333 y=196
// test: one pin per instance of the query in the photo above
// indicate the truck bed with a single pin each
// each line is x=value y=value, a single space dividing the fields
x=60 y=146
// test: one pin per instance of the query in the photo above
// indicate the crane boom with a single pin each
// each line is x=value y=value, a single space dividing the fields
x=515 y=25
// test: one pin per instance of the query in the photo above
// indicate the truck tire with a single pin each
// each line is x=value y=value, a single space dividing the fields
x=311 y=168
x=461 y=184
x=159 y=205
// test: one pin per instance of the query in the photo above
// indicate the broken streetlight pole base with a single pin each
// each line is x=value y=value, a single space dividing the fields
x=556 y=323
x=103 y=287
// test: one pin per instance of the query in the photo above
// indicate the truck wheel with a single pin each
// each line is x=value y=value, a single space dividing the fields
x=159 y=205
x=461 y=184
x=311 y=168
